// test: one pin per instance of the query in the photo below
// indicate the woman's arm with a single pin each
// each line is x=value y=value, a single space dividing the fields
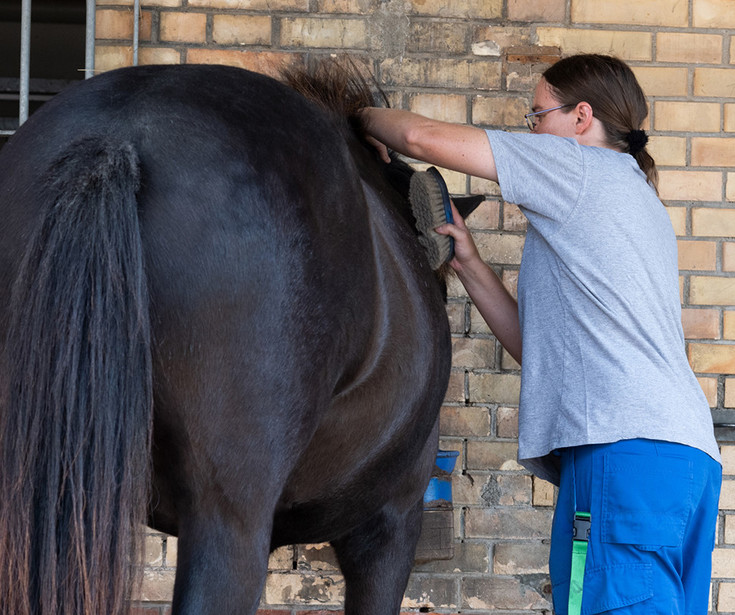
x=453 y=146
x=465 y=149
x=496 y=305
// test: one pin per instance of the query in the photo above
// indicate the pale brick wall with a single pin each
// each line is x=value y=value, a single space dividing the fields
x=477 y=61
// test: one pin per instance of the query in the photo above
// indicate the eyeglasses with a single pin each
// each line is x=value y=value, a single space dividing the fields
x=532 y=121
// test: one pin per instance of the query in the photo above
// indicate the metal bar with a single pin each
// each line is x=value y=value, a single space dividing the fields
x=25 y=60
x=89 y=41
x=136 y=30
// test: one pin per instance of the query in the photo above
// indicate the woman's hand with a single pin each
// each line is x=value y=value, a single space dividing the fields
x=465 y=250
x=382 y=149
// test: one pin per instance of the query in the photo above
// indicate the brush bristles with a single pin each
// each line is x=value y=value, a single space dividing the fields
x=427 y=205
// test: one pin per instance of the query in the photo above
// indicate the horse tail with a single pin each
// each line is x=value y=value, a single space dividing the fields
x=76 y=419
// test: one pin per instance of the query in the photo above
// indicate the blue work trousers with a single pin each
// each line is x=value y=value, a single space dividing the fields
x=653 y=509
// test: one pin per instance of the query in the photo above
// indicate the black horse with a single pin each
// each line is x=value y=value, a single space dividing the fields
x=213 y=312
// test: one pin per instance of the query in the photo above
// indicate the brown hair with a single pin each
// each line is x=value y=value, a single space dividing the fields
x=617 y=100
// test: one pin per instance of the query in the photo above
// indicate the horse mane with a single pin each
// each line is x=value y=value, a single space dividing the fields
x=341 y=88
x=338 y=86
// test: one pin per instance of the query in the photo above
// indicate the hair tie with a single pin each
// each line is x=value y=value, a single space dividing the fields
x=637 y=140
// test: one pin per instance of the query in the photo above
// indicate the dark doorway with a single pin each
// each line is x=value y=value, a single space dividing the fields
x=57 y=53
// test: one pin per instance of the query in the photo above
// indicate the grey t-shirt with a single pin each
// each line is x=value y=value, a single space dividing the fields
x=598 y=294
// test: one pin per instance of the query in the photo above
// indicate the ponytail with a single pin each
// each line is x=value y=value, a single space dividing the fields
x=617 y=100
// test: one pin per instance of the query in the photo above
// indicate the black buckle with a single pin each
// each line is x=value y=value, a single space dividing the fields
x=581 y=527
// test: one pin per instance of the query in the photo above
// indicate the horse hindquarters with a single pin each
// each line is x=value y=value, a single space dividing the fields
x=75 y=425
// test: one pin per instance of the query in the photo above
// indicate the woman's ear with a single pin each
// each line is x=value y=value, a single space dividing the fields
x=583 y=118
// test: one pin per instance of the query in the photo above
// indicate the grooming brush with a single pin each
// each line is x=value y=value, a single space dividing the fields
x=431 y=207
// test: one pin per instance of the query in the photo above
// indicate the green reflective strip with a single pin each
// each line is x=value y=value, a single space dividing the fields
x=576 y=580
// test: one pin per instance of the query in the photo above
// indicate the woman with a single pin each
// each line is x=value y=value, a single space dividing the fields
x=610 y=409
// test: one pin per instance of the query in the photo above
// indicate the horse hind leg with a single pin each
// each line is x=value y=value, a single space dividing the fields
x=220 y=570
x=376 y=560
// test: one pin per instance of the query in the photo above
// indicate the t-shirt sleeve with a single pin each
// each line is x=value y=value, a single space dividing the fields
x=542 y=174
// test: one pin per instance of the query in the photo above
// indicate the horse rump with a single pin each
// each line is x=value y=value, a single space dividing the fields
x=75 y=419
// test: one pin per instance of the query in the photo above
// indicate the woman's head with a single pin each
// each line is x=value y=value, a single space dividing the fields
x=611 y=89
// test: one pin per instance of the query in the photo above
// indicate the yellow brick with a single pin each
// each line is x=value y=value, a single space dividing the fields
x=710 y=222
x=723 y=567
x=114 y=24
x=697 y=255
x=728 y=325
x=711 y=290
x=690 y=185
x=687 y=116
x=626 y=44
x=703 y=324
x=157 y=586
x=499 y=112
x=494 y=388
x=510 y=281
x=532 y=10
x=513 y=219
x=281 y=559
x=728 y=257
x=729 y=526
x=709 y=388
x=266 y=62
x=485 y=217
x=713 y=14
x=108 y=57
x=478 y=74
x=241 y=29
x=663 y=81
x=729 y=392
x=433 y=37
x=727 y=452
x=727 y=495
x=184 y=27
x=324 y=33
x=500 y=248
x=341 y=6
x=631 y=12
x=715 y=82
x=543 y=492
x=172 y=550
x=253 y=5
x=484 y=186
x=730 y=191
x=713 y=151
x=678 y=217
x=688 y=48
x=730 y=116
x=158 y=55
x=668 y=151
x=491 y=40
x=469 y=9
x=445 y=107
x=712 y=358
x=153 y=550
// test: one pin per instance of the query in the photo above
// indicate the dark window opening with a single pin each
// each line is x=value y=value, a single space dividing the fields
x=58 y=30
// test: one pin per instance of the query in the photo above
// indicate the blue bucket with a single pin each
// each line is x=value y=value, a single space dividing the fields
x=439 y=492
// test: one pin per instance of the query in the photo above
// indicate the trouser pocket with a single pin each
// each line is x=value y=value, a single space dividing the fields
x=646 y=501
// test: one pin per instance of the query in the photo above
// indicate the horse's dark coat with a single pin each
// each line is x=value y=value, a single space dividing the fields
x=299 y=349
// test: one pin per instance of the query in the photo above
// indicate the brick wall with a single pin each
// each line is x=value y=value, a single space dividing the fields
x=477 y=61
